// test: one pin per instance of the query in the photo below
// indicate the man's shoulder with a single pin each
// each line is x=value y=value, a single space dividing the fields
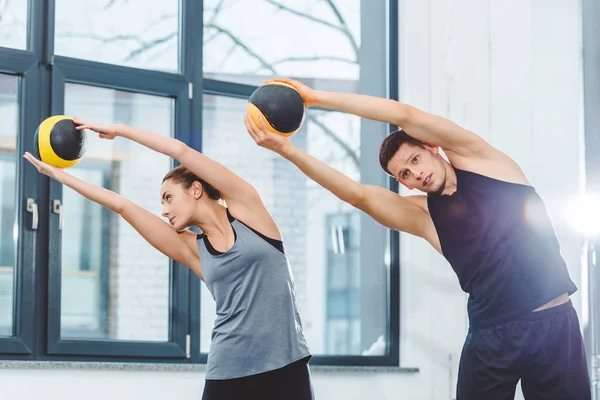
x=495 y=165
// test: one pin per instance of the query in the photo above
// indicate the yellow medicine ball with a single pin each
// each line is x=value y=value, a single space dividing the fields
x=57 y=142
x=281 y=105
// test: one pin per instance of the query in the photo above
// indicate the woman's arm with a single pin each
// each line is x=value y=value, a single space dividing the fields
x=241 y=197
x=232 y=187
x=157 y=232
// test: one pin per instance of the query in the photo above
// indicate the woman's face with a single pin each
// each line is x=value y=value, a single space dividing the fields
x=179 y=203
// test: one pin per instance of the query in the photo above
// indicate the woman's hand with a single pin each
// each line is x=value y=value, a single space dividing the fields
x=105 y=131
x=43 y=168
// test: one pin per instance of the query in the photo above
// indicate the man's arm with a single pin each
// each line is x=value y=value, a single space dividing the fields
x=386 y=207
x=421 y=125
x=426 y=127
x=465 y=149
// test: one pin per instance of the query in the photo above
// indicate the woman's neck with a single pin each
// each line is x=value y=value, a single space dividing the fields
x=214 y=220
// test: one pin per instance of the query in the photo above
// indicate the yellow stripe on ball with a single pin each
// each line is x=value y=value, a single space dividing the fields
x=47 y=153
x=282 y=109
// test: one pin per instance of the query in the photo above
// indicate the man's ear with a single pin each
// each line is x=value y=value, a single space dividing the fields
x=404 y=184
x=434 y=149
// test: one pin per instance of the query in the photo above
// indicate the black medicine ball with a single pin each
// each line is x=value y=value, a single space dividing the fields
x=281 y=105
x=57 y=142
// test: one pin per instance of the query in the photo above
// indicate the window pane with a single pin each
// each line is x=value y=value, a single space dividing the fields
x=135 y=33
x=114 y=284
x=13 y=24
x=324 y=237
x=282 y=38
x=9 y=114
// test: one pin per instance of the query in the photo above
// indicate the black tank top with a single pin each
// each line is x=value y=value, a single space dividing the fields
x=500 y=241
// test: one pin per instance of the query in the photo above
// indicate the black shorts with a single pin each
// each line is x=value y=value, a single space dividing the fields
x=544 y=350
x=291 y=382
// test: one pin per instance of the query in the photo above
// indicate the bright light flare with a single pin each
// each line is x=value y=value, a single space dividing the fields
x=583 y=215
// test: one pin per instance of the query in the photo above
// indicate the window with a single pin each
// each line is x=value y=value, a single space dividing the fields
x=110 y=292
x=343 y=322
x=9 y=113
x=322 y=242
x=85 y=260
x=80 y=277
x=104 y=260
x=13 y=25
x=7 y=247
x=337 y=254
x=139 y=33
x=280 y=40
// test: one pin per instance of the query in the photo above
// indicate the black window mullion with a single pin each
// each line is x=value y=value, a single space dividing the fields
x=15 y=61
x=229 y=89
x=180 y=307
x=41 y=43
x=393 y=328
x=121 y=78
x=191 y=67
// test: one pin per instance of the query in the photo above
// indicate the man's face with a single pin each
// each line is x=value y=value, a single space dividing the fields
x=419 y=167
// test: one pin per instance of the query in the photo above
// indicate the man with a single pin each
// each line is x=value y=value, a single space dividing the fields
x=482 y=214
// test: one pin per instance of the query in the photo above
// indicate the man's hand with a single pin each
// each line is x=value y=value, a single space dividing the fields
x=309 y=95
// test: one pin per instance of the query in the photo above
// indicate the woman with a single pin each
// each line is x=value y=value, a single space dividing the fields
x=258 y=348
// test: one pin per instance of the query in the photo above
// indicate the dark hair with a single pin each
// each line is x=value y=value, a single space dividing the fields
x=185 y=177
x=391 y=144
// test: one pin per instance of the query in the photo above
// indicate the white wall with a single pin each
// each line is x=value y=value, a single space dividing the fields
x=508 y=69
x=511 y=71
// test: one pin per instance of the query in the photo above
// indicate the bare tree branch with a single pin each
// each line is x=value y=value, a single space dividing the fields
x=143 y=45
x=149 y=45
x=343 y=27
x=264 y=63
x=110 y=4
x=228 y=54
x=308 y=58
x=302 y=14
x=3 y=8
x=208 y=39
x=216 y=12
x=351 y=153
x=102 y=39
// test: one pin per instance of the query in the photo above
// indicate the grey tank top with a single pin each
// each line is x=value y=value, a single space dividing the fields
x=258 y=326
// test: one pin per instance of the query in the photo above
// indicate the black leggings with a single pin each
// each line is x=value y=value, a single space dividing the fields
x=291 y=382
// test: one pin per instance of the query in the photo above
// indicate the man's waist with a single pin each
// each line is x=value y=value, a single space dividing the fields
x=482 y=318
